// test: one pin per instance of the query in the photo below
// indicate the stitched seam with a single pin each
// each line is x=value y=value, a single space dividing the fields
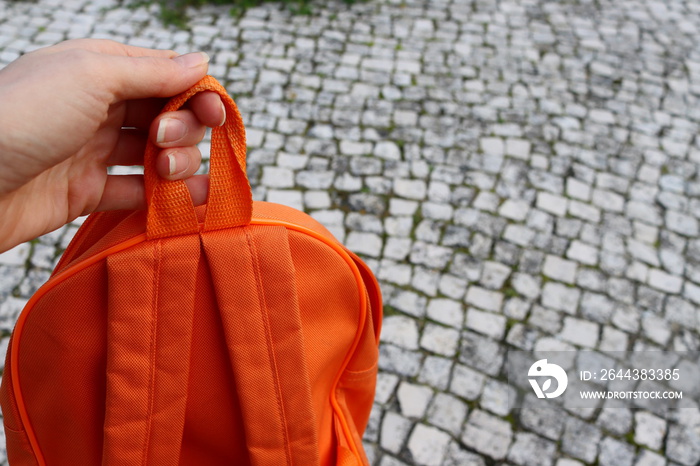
x=13 y=430
x=151 y=377
x=270 y=349
x=361 y=372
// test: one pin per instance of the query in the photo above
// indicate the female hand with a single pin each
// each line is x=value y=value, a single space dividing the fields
x=69 y=111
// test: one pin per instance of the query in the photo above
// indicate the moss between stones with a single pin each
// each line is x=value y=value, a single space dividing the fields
x=173 y=12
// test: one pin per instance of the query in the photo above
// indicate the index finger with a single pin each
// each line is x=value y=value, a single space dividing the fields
x=108 y=47
x=130 y=78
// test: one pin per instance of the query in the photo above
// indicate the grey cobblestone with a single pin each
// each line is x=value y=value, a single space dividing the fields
x=520 y=174
x=561 y=298
x=497 y=396
x=682 y=445
x=466 y=382
x=428 y=445
x=484 y=299
x=9 y=312
x=487 y=434
x=395 y=429
x=580 y=332
x=649 y=430
x=441 y=340
x=413 y=399
x=559 y=269
x=614 y=452
x=446 y=311
x=487 y=323
x=649 y=458
x=530 y=450
x=447 y=412
x=436 y=372
x=580 y=440
x=401 y=331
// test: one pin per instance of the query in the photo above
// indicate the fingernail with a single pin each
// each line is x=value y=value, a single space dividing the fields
x=192 y=60
x=172 y=164
x=223 y=109
x=177 y=163
x=170 y=130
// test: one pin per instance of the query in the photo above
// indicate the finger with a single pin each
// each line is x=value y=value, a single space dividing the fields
x=129 y=149
x=143 y=77
x=177 y=129
x=208 y=108
x=123 y=192
x=141 y=112
x=198 y=186
x=109 y=47
x=178 y=163
x=117 y=48
x=127 y=192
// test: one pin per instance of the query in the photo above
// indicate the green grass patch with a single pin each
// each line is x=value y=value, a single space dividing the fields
x=173 y=12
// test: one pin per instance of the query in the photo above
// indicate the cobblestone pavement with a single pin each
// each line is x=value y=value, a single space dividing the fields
x=520 y=174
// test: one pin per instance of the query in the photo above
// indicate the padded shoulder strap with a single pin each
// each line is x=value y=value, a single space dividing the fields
x=256 y=293
x=150 y=308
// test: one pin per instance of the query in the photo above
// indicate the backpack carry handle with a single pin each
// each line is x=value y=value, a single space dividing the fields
x=230 y=199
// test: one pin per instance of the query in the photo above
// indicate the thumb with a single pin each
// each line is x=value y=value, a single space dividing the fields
x=146 y=77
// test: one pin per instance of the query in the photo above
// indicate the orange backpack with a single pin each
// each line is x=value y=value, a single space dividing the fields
x=234 y=333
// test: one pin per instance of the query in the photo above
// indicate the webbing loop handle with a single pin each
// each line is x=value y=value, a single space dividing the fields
x=230 y=199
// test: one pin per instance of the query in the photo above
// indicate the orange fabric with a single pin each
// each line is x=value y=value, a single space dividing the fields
x=148 y=370
x=263 y=333
x=236 y=333
x=230 y=200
